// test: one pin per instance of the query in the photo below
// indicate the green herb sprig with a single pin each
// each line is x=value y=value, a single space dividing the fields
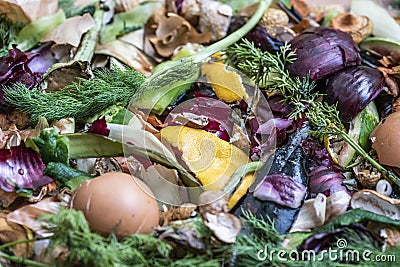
x=86 y=248
x=268 y=70
x=78 y=100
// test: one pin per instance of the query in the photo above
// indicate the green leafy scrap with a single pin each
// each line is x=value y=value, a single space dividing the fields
x=52 y=146
x=72 y=10
x=8 y=33
x=63 y=174
x=130 y=20
x=31 y=34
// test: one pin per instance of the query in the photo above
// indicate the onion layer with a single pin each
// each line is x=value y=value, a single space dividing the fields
x=353 y=89
x=322 y=51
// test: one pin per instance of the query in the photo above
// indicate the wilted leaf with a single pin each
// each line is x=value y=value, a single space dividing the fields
x=10 y=232
x=28 y=11
x=7 y=198
x=28 y=215
x=128 y=54
x=31 y=34
x=71 y=30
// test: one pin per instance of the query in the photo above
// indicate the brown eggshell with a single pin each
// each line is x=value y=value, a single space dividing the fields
x=117 y=202
x=386 y=140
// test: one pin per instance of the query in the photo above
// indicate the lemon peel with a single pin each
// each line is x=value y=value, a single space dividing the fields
x=242 y=189
x=210 y=158
x=227 y=84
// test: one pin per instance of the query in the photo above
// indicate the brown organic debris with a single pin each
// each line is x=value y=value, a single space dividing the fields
x=167 y=32
x=125 y=5
x=214 y=210
x=366 y=175
x=318 y=12
x=182 y=233
x=396 y=105
x=183 y=212
x=300 y=6
x=215 y=18
x=359 y=27
x=377 y=203
x=71 y=30
x=274 y=16
x=393 y=237
x=10 y=232
x=7 y=198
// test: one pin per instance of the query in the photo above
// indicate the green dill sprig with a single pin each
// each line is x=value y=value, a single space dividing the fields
x=71 y=231
x=78 y=100
x=268 y=69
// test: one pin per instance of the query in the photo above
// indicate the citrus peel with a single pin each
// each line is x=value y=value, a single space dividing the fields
x=210 y=158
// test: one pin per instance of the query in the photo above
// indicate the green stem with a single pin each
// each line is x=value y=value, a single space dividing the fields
x=17 y=242
x=233 y=37
x=22 y=260
x=89 y=41
x=389 y=175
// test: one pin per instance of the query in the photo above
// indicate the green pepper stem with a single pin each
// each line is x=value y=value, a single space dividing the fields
x=233 y=37
x=388 y=174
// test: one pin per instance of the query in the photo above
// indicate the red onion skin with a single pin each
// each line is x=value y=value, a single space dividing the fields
x=282 y=189
x=21 y=167
x=322 y=51
x=353 y=89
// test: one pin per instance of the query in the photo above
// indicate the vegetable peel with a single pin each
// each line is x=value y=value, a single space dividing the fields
x=212 y=159
x=227 y=84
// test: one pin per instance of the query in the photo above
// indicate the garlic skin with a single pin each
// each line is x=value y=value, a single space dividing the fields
x=215 y=18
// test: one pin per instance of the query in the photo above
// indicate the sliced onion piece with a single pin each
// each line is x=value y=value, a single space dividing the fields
x=353 y=89
x=322 y=51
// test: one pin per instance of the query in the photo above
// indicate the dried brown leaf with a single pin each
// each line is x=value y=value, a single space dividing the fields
x=10 y=232
x=71 y=30
x=128 y=54
x=28 y=10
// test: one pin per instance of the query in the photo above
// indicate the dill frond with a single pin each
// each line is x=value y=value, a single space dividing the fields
x=71 y=231
x=78 y=100
x=268 y=71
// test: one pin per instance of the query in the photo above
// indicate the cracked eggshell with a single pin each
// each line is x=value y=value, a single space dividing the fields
x=373 y=201
x=386 y=140
x=118 y=202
